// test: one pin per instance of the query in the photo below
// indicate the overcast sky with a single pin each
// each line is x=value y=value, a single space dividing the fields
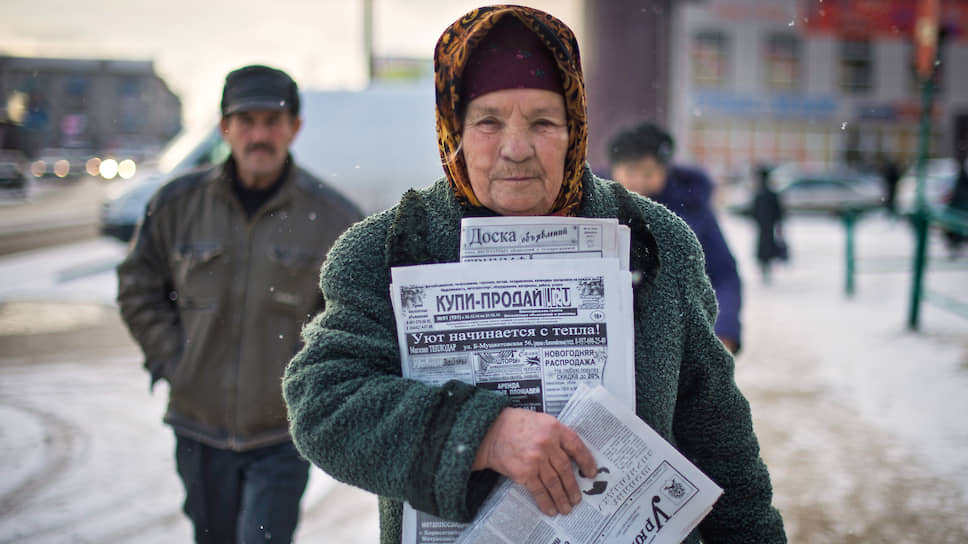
x=194 y=43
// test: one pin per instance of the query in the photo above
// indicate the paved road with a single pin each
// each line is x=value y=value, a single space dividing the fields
x=53 y=212
x=860 y=421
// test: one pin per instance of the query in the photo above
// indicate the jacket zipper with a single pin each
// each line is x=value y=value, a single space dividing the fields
x=246 y=246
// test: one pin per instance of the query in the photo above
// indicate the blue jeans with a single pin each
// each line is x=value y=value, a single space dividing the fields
x=241 y=497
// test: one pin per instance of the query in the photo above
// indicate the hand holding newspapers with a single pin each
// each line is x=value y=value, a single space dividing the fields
x=644 y=492
x=538 y=309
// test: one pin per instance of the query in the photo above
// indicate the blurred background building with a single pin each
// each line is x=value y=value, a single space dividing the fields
x=92 y=106
x=742 y=82
x=738 y=82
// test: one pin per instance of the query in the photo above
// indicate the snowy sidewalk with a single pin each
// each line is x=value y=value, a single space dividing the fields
x=860 y=420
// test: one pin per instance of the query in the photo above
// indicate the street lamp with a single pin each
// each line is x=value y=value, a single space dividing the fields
x=926 y=48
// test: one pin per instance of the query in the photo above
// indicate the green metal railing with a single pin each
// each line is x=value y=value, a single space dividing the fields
x=949 y=220
x=923 y=218
x=850 y=216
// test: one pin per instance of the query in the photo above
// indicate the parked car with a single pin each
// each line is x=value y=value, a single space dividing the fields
x=939 y=184
x=810 y=188
x=12 y=165
x=371 y=145
x=13 y=158
x=126 y=200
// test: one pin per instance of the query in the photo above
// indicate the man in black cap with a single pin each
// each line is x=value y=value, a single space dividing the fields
x=221 y=275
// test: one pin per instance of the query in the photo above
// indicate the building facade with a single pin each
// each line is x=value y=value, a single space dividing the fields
x=90 y=105
x=627 y=61
x=799 y=80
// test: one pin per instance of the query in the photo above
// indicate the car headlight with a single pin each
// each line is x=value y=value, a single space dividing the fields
x=127 y=168
x=62 y=168
x=93 y=166
x=38 y=168
x=108 y=168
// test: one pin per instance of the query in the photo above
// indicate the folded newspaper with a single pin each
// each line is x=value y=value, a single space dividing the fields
x=515 y=319
x=529 y=238
x=645 y=490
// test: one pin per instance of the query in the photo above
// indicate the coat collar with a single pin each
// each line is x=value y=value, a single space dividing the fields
x=408 y=241
x=220 y=179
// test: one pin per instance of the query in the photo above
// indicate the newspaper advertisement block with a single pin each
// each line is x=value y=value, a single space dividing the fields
x=527 y=238
x=530 y=238
x=645 y=491
x=532 y=333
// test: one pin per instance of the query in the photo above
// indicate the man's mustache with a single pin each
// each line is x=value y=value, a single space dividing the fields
x=260 y=146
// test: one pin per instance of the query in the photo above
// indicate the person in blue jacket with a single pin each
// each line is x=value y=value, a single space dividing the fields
x=641 y=160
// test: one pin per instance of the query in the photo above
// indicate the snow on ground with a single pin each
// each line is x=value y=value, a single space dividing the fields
x=82 y=272
x=87 y=459
x=860 y=419
x=911 y=383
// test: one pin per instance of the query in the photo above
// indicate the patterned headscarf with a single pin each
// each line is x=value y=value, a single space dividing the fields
x=451 y=55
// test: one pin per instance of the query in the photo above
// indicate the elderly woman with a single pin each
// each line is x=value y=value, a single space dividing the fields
x=512 y=132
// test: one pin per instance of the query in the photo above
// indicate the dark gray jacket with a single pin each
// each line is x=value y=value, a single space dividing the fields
x=216 y=299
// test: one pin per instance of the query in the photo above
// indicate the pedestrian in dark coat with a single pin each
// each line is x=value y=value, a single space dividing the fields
x=891 y=174
x=768 y=212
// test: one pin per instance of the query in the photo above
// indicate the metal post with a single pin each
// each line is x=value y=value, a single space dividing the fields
x=850 y=218
x=920 y=218
x=921 y=243
x=368 y=41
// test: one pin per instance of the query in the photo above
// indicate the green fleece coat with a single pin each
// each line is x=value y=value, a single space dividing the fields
x=354 y=416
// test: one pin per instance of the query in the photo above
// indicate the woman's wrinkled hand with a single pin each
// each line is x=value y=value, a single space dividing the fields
x=536 y=451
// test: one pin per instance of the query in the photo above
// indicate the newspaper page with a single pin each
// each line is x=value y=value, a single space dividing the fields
x=526 y=238
x=529 y=238
x=645 y=491
x=530 y=331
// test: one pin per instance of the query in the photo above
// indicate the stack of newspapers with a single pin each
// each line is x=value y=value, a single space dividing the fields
x=540 y=309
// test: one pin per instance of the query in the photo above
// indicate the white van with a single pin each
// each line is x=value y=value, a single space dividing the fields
x=371 y=145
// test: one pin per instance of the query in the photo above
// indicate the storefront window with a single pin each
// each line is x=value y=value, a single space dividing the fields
x=782 y=62
x=710 y=58
x=856 y=65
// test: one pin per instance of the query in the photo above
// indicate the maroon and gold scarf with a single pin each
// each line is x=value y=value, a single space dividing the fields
x=451 y=55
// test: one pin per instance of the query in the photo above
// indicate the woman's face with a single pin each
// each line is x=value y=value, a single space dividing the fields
x=514 y=145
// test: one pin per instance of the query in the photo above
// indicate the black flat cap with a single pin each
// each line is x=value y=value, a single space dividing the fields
x=258 y=87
